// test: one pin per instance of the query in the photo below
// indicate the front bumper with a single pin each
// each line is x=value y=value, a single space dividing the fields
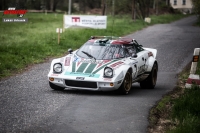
x=104 y=84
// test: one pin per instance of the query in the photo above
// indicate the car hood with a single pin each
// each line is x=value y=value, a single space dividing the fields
x=90 y=67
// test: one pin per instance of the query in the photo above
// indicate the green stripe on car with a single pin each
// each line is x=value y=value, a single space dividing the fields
x=82 y=67
x=73 y=66
x=90 y=68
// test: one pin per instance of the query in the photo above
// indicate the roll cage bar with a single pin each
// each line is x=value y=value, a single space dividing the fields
x=104 y=39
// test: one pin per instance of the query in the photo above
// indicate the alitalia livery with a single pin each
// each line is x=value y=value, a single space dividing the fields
x=105 y=63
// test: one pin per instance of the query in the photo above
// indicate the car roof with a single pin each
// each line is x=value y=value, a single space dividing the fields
x=112 y=40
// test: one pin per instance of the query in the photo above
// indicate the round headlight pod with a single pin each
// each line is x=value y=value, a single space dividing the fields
x=57 y=68
x=108 y=72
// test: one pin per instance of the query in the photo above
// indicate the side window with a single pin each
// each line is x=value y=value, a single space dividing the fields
x=127 y=54
x=131 y=50
x=139 y=49
x=122 y=52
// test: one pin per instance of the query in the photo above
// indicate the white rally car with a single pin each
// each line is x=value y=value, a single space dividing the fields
x=104 y=64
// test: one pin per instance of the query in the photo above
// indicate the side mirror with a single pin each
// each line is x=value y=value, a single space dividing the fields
x=134 y=55
x=70 y=51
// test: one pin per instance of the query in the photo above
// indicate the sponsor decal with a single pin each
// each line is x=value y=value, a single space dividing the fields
x=77 y=74
x=67 y=61
x=75 y=19
x=107 y=79
x=117 y=64
x=80 y=78
x=90 y=61
x=76 y=59
x=54 y=74
x=91 y=21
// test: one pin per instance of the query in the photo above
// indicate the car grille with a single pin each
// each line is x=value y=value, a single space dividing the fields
x=86 y=84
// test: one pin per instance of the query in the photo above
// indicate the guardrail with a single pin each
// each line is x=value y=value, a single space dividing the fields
x=194 y=78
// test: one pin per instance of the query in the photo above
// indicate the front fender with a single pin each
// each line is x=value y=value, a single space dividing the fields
x=53 y=62
x=154 y=51
x=149 y=63
x=122 y=70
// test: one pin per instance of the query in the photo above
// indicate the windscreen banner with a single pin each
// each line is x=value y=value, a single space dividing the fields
x=88 y=21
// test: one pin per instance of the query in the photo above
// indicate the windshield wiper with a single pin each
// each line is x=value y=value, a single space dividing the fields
x=89 y=55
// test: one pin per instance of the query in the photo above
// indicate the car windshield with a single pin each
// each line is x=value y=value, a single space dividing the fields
x=101 y=51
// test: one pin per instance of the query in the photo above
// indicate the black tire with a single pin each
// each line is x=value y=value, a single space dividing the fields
x=150 y=81
x=127 y=84
x=55 y=87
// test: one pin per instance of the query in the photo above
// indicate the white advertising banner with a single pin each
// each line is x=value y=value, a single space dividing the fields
x=96 y=22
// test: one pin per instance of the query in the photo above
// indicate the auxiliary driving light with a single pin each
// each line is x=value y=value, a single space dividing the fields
x=111 y=84
x=51 y=79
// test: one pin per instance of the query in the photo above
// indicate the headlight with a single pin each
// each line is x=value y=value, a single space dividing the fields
x=108 y=72
x=57 y=68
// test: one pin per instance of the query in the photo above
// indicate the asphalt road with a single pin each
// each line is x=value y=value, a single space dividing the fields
x=27 y=104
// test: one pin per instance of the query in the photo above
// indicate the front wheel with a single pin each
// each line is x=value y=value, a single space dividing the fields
x=150 y=81
x=127 y=84
x=55 y=87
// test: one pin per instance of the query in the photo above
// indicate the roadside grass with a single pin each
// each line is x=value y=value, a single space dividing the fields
x=179 y=110
x=23 y=44
x=186 y=112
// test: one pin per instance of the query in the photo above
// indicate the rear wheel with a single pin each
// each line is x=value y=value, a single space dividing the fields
x=127 y=84
x=55 y=87
x=150 y=81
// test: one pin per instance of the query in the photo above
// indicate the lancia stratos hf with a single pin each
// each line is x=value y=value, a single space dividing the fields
x=105 y=63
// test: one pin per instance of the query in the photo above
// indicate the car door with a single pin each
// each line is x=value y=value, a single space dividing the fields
x=141 y=65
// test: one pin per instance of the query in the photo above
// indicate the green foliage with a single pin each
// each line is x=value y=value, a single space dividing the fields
x=162 y=103
x=196 y=7
x=186 y=111
x=23 y=44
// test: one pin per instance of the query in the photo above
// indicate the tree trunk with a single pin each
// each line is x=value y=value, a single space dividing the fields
x=113 y=7
x=48 y=5
x=148 y=11
x=142 y=7
x=133 y=10
x=82 y=6
x=156 y=7
x=104 y=7
x=51 y=5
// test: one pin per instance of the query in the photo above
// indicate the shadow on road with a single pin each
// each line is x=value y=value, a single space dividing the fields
x=134 y=91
